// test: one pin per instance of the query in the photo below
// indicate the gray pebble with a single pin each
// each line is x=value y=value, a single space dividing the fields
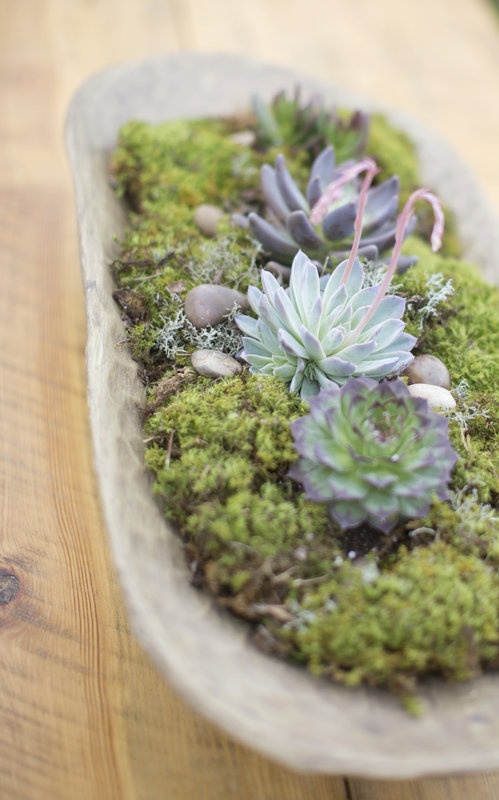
x=439 y=399
x=428 y=369
x=207 y=218
x=280 y=271
x=209 y=304
x=215 y=364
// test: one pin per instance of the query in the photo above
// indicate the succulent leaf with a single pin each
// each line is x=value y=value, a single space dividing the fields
x=287 y=187
x=372 y=453
x=338 y=224
x=303 y=232
x=276 y=240
x=382 y=202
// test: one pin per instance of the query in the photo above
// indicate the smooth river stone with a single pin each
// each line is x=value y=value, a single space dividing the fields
x=428 y=369
x=207 y=218
x=209 y=304
x=439 y=399
x=215 y=364
x=279 y=270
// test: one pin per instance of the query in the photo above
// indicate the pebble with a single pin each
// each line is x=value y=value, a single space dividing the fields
x=209 y=304
x=428 y=369
x=215 y=364
x=245 y=138
x=280 y=271
x=439 y=399
x=207 y=218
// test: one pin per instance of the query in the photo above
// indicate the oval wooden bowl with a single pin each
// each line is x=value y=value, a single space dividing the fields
x=284 y=712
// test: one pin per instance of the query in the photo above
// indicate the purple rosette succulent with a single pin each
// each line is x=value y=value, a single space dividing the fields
x=373 y=453
x=321 y=222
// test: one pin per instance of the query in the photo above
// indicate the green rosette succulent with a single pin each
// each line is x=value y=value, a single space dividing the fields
x=308 y=125
x=321 y=331
x=373 y=452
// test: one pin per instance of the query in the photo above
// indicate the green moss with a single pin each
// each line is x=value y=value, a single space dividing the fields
x=434 y=610
x=231 y=436
x=165 y=171
x=464 y=334
x=196 y=161
x=226 y=487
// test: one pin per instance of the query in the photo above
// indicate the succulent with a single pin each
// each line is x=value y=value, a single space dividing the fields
x=322 y=221
x=312 y=333
x=373 y=452
x=288 y=121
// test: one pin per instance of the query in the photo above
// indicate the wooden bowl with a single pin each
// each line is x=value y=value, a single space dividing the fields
x=282 y=711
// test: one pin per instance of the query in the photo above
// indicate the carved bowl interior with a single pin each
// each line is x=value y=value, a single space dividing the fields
x=285 y=713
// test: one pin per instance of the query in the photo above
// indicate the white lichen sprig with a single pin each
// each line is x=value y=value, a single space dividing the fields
x=472 y=512
x=438 y=291
x=216 y=261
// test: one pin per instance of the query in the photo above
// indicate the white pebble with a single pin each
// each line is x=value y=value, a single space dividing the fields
x=439 y=399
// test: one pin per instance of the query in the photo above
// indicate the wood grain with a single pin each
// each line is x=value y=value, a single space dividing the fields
x=84 y=713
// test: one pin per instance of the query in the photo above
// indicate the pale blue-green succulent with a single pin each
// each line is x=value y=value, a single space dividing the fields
x=321 y=331
x=373 y=452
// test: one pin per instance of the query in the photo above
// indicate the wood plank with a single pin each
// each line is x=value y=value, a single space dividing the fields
x=451 y=788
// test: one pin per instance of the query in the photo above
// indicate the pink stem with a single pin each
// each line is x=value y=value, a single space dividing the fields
x=402 y=221
x=371 y=170
x=333 y=192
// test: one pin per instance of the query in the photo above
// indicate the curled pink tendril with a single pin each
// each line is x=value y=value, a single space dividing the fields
x=402 y=221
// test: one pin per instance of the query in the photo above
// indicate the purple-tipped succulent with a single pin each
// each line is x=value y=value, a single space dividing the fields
x=373 y=452
x=322 y=331
x=321 y=221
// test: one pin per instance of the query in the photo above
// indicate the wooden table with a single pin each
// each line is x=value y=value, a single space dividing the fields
x=84 y=714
